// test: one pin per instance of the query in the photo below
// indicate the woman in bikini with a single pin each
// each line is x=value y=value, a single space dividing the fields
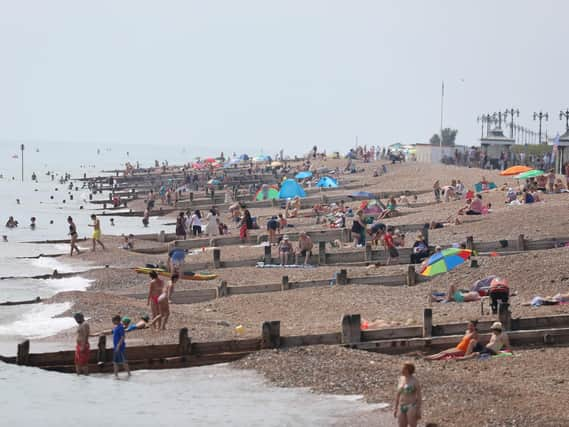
x=165 y=298
x=155 y=288
x=461 y=349
x=408 y=398
x=72 y=236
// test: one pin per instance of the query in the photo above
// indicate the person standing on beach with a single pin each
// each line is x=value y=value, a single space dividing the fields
x=119 y=347
x=96 y=232
x=389 y=245
x=82 y=349
x=154 y=291
x=72 y=236
x=245 y=226
x=165 y=299
x=408 y=398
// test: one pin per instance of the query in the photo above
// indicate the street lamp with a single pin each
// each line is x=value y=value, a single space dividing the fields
x=484 y=118
x=565 y=115
x=511 y=112
x=540 y=116
x=22 y=150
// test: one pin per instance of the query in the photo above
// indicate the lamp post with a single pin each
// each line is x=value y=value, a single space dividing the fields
x=512 y=113
x=484 y=118
x=565 y=114
x=22 y=150
x=540 y=116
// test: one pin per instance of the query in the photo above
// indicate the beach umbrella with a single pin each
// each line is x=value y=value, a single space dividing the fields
x=515 y=170
x=214 y=182
x=276 y=164
x=261 y=158
x=209 y=160
x=444 y=261
x=530 y=174
x=362 y=195
x=303 y=175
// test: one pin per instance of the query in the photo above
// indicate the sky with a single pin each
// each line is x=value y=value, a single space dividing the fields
x=261 y=75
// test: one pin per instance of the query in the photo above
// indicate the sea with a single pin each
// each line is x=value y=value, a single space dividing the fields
x=212 y=396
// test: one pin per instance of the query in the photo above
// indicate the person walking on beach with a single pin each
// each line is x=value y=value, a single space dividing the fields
x=72 y=236
x=181 y=226
x=245 y=226
x=389 y=245
x=212 y=223
x=154 y=291
x=96 y=232
x=82 y=348
x=305 y=246
x=408 y=398
x=165 y=299
x=119 y=347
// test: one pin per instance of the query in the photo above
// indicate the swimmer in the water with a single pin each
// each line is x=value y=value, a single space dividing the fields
x=11 y=223
x=33 y=223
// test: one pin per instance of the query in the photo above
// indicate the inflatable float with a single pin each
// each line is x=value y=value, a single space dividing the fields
x=185 y=275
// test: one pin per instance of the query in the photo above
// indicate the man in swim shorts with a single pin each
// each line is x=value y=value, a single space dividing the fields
x=96 y=232
x=154 y=291
x=82 y=349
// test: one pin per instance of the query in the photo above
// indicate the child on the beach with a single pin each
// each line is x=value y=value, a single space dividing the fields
x=119 y=347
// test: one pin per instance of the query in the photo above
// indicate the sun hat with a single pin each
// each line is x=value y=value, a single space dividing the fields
x=496 y=326
x=126 y=319
x=145 y=317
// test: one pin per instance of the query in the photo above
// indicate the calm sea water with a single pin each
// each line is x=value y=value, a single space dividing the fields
x=29 y=397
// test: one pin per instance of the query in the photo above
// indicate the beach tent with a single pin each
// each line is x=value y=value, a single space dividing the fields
x=484 y=186
x=515 y=170
x=290 y=188
x=232 y=162
x=214 y=182
x=327 y=182
x=244 y=157
x=261 y=158
x=303 y=175
x=267 y=193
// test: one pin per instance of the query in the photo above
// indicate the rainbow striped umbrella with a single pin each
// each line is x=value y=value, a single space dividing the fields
x=444 y=261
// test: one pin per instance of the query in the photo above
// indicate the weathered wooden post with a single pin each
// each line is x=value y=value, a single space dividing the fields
x=427 y=322
x=351 y=329
x=162 y=236
x=23 y=355
x=345 y=236
x=322 y=253
x=504 y=315
x=217 y=258
x=191 y=196
x=470 y=243
x=271 y=334
x=522 y=243
x=222 y=290
x=342 y=277
x=426 y=234
x=267 y=256
x=368 y=253
x=411 y=279
x=285 y=285
x=212 y=243
x=184 y=342
x=102 y=350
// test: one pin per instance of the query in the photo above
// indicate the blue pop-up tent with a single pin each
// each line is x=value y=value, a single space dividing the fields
x=327 y=182
x=303 y=175
x=290 y=188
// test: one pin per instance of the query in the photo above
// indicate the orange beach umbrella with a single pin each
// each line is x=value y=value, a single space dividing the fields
x=515 y=170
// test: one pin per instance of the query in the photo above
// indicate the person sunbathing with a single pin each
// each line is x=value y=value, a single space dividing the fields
x=498 y=341
x=457 y=295
x=461 y=348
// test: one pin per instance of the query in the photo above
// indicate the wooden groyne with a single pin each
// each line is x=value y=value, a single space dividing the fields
x=523 y=332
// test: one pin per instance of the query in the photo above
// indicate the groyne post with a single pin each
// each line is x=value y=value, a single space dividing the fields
x=102 y=350
x=427 y=322
x=322 y=253
x=285 y=285
x=23 y=355
x=522 y=243
x=217 y=258
x=184 y=342
x=411 y=278
x=351 y=329
x=222 y=290
x=271 y=334
x=267 y=256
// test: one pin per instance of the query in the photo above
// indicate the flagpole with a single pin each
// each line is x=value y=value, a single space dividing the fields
x=442 y=109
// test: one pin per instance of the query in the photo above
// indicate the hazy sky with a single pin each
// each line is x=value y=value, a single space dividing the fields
x=241 y=75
